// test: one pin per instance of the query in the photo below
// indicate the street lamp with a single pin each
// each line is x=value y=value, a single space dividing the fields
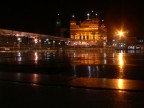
x=73 y=16
x=120 y=33
x=96 y=15
x=40 y=42
x=19 y=40
x=88 y=15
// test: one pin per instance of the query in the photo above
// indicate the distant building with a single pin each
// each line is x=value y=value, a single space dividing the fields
x=90 y=32
x=127 y=42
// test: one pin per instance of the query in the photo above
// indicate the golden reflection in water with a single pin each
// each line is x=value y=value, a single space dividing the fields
x=121 y=63
x=87 y=58
x=36 y=57
x=120 y=84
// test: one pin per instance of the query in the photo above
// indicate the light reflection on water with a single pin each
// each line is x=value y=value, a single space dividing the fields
x=121 y=64
x=35 y=78
x=35 y=67
x=36 y=57
x=120 y=84
x=92 y=64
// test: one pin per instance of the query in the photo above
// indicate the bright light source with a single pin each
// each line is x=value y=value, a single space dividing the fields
x=96 y=14
x=121 y=33
x=18 y=38
x=36 y=40
x=73 y=16
x=88 y=15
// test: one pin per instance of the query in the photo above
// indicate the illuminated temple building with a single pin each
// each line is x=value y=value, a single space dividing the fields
x=90 y=32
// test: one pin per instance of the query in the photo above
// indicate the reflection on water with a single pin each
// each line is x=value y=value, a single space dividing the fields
x=19 y=57
x=121 y=64
x=120 y=84
x=35 y=78
x=85 y=58
x=88 y=68
x=121 y=60
x=82 y=63
x=92 y=58
x=36 y=57
x=96 y=63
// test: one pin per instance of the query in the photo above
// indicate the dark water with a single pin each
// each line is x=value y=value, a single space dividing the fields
x=82 y=63
x=109 y=69
x=63 y=79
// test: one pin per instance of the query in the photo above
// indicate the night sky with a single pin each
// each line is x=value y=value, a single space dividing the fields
x=40 y=17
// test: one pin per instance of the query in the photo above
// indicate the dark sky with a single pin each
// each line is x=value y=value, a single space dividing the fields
x=40 y=16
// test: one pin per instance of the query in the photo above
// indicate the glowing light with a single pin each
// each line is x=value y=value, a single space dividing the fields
x=36 y=57
x=89 y=71
x=96 y=14
x=19 y=39
x=73 y=16
x=121 y=64
x=88 y=15
x=120 y=84
x=19 y=54
x=121 y=61
x=19 y=57
x=36 y=40
x=121 y=33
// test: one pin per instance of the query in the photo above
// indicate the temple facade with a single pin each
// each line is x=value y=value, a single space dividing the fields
x=90 y=32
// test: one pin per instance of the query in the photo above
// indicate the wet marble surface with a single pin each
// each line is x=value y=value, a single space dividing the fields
x=72 y=79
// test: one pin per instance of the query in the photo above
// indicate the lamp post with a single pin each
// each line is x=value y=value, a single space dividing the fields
x=88 y=15
x=53 y=44
x=96 y=15
x=73 y=16
x=40 y=42
x=120 y=39
x=35 y=42
x=120 y=33
x=19 y=40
